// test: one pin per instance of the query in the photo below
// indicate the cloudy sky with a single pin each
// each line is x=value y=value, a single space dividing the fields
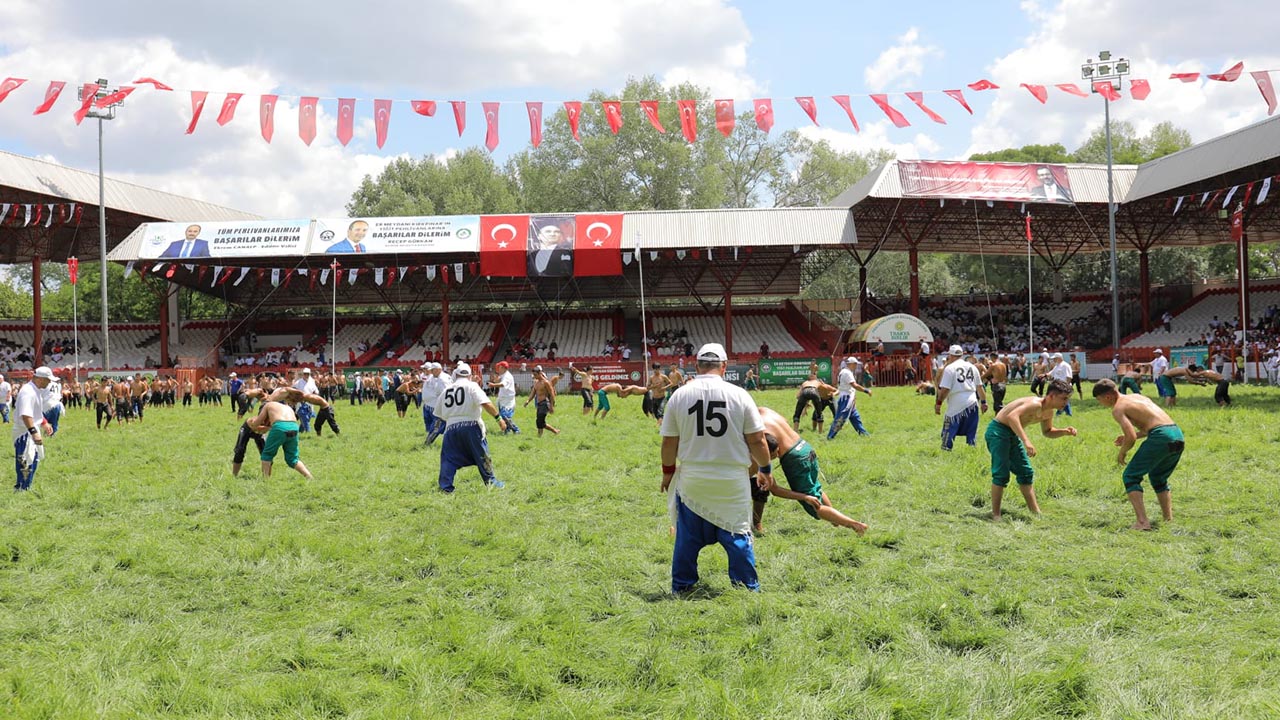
x=556 y=50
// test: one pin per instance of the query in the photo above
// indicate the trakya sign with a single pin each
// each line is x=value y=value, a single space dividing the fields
x=895 y=328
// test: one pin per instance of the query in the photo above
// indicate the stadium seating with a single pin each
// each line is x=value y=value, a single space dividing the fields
x=577 y=337
x=478 y=334
x=750 y=329
x=1193 y=322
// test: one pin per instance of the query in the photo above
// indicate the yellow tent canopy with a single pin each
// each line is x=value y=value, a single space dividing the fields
x=895 y=328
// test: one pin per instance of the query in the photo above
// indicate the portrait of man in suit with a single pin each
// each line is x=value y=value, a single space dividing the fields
x=354 y=242
x=550 y=247
x=189 y=247
x=1048 y=189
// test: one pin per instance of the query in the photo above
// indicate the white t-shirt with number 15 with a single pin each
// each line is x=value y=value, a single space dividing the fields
x=961 y=379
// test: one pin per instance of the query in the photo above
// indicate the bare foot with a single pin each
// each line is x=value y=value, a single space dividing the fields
x=1141 y=526
x=554 y=431
x=995 y=517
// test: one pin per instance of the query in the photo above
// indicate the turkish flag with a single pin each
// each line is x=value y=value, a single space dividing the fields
x=573 y=111
x=597 y=245
x=9 y=85
x=958 y=96
x=1263 y=79
x=50 y=97
x=88 y=91
x=313 y=277
x=200 y=275
x=984 y=84
x=459 y=114
x=1139 y=89
x=688 y=120
x=307 y=119
x=764 y=113
x=1231 y=74
x=346 y=119
x=806 y=104
x=1237 y=224
x=1037 y=91
x=229 y=108
x=1071 y=89
x=1106 y=90
x=650 y=110
x=897 y=118
x=381 y=119
x=491 y=125
x=504 y=245
x=197 y=106
x=1028 y=227
x=1185 y=77
x=112 y=98
x=724 y=117
x=918 y=99
x=267 y=116
x=73 y=268
x=535 y=122
x=613 y=114
x=152 y=82
x=843 y=101
x=425 y=108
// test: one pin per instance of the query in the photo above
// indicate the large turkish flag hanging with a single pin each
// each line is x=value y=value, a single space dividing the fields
x=504 y=244
x=597 y=245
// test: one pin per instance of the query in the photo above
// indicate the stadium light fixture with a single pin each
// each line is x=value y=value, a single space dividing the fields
x=1113 y=73
x=106 y=112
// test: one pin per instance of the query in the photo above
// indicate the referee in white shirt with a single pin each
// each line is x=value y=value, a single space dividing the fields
x=714 y=430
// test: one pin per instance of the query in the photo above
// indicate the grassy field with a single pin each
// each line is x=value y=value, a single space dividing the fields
x=142 y=580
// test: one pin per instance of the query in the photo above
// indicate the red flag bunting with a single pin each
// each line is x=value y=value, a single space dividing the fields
x=267 y=116
x=613 y=114
x=73 y=269
x=984 y=84
x=225 y=274
x=229 y=108
x=1139 y=89
x=504 y=242
x=1237 y=224
x=152 y=82
x=688 y=120
x=763 y=108
x=171 y=270
x=313 y=276
x=1231 y=74
x=262 y=273
x=918 y=99
x=1185 y=77
x=725 y=119
x=425 y=108
x=1028 y=227
x=1072 y=89
x=1038 y=91
x=346 y=119
x=307 y=119
x=197 y=106
x=810 y=109
x=391 y=275
x=490 y=124
x=597 y=245
x=534 y=109
x=88 y=91
x=287 y=277
x=573 y=111
x=897 y=118
x=381 y=119
x=459 y=114
x=8 y=86
x=843 y=102
x=1106 y=90
x=337 y=277
x=1263 y=79
x=112 y=98
x=50 y=97
x=958 y=96
x=650 y=110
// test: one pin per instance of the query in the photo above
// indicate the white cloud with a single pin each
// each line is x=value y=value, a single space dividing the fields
x=876 y=136
x=902 y=61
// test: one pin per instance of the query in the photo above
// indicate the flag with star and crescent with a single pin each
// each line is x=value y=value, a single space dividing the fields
x=597 y=245
x=503 y=245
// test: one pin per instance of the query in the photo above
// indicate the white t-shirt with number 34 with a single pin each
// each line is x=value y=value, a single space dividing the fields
x=961 y=378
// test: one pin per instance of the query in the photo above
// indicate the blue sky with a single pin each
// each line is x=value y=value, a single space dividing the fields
x=513 y=50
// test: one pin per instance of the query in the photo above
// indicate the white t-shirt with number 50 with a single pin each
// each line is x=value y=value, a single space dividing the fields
x=461 y=402
x=961 y=379
x=711 y=416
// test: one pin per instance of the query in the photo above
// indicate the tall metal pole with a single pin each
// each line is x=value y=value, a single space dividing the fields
x=1031 y=328
x=333 y=322
x=102 y=249
x=1111 y=231
x=644 y=328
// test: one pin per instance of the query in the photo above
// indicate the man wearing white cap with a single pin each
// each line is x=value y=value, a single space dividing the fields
x=464 y=442
x=714 y=430
x=28 y=411
x=1164 y=385
x=433 y=385
x=846 y=404
x=305 y=384
x=1061 y=371
x=961 y=388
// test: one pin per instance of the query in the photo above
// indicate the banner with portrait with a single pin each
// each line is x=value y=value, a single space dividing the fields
x=396 y=235
x=243 y=238
x=1019 y=182
x=550 y=249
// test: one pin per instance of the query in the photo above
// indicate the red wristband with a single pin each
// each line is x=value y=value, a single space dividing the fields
x=668 y=469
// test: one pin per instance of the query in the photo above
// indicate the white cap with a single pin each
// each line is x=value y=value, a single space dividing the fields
x=426 y=366
x=852 y=360
x=43 y=372
x=463 y=369
x=955 y=350
x=537 y=368
x=712 y=352
x=232 y=375
x=1159 y=351
x=130 y=378
x=306 y=371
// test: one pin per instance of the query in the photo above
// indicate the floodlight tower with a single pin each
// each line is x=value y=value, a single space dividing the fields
x=1111 y=72
x=105 y=112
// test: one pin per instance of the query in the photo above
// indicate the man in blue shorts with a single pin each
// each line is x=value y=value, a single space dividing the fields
x=464 y=441
x=960 y=387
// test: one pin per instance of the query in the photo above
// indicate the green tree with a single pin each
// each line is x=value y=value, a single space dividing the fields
x=816 y=173
x=467 y=183
x=1054 y=153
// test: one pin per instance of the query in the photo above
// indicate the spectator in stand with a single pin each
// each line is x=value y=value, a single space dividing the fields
x=626 y=352
x=1167 y=319
x=764 y=350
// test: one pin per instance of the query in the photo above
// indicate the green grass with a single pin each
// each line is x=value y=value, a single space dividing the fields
x=142 y=580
